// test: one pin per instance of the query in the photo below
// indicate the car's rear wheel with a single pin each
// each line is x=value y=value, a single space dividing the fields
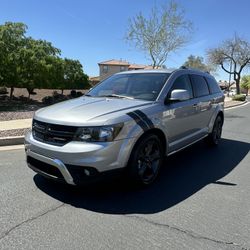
x=214 y=137
x=146 y=160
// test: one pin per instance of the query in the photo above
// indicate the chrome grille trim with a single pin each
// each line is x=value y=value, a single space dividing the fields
x=53 y=134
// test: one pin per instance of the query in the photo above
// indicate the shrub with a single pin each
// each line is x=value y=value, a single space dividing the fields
x=48 y=100
x=4 y=98
x=79 y=93
x=24 y=98
x=55 y=93
x=3 y=91
x=73 y=93
x=241 y=98
x=14 y=98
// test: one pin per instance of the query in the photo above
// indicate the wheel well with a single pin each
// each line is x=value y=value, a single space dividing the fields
x=159 y=134
x=221 y=115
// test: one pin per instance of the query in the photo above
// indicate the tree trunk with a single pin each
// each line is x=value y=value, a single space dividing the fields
x=237 y=85
x=11 y=92
x=30 y=91
x=62 y=91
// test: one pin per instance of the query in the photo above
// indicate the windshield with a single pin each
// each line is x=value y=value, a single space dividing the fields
x=145 y=86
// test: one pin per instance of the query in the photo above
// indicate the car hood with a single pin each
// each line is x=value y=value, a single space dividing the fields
x=87 y=110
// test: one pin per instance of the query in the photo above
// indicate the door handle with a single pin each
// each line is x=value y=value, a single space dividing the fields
x=195 y=105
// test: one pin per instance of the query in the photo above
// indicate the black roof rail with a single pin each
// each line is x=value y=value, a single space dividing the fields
x=184 y=67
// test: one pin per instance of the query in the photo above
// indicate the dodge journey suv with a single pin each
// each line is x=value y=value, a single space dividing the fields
x=128 y=123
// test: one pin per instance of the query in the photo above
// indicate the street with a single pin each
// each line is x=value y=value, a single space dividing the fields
x=200 y=201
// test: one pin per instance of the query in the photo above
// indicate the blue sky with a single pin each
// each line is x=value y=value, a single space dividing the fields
x=93 y=31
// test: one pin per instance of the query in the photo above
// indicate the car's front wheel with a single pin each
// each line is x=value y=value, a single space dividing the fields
x=146 y=160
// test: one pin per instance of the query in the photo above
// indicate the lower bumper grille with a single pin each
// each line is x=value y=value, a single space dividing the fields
x=44 y=167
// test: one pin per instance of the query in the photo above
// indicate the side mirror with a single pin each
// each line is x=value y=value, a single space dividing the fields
x=178 y=95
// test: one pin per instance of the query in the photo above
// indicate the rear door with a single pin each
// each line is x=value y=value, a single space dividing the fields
x=203 y=100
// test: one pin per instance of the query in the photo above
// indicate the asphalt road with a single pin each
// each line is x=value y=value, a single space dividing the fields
x=200 y=201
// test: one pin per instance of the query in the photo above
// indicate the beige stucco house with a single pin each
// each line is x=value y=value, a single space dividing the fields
x=110 y=67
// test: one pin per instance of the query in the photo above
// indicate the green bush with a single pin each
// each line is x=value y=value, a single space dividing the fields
x=3 y=91
x=73 y=93
x=48 y=100
x=241 y=98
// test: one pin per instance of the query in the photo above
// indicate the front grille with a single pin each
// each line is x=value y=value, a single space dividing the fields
x=44 y=167
x=53 y=134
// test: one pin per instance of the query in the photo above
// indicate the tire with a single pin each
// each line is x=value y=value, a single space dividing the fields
x=214 y=137
x=146 y=160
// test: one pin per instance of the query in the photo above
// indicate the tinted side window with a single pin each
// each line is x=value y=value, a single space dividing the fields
x=199 y=85
x=213 y=85
x=182 y=82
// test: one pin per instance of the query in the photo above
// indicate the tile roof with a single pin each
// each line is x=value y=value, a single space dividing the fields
x=94 y=78
x=137 y=66
x=115 y=62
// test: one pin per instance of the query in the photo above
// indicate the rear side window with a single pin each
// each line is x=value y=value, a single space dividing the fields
x=199 y=86
x=182 y=82
x=213 y=85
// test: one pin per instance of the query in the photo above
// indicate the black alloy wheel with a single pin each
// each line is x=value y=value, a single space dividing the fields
x=146 y=160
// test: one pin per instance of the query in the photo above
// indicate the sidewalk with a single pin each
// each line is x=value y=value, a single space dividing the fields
x=229 y=103
x=15 y=124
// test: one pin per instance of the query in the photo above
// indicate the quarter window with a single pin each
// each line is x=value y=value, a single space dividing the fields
x=199 y=85
x=213 y=85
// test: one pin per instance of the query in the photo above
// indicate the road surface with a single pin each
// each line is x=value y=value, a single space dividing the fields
x=200 y=201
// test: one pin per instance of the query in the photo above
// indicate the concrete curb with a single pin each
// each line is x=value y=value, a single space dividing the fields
x=13 y=140
x=236 y=105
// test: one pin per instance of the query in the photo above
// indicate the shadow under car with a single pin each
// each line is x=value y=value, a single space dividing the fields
x=183 y=174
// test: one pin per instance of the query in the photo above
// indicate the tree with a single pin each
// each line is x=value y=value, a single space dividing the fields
x=233 y=55
x=245 y=82
x=29 y=63
x=197 y=62
x=163 y=32
x=36 y=62
x=68 y=74
x=12 y=37
x=73 y=74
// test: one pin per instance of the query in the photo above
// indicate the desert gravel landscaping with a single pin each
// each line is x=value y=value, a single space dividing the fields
x=7 y=116
x=13 y=132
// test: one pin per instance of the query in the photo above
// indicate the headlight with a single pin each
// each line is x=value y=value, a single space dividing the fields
x=98 y=134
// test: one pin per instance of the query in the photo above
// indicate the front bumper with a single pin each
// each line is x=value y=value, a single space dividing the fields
x=77 y=162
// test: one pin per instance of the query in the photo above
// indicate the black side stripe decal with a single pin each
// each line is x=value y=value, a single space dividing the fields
x=144 y=118
x=141 y=119
x=138 y=120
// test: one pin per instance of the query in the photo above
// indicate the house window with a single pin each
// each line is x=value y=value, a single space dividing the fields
x=105 y=69
x=122 y=68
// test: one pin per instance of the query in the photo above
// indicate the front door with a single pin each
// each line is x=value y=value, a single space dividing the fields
x=180 y=118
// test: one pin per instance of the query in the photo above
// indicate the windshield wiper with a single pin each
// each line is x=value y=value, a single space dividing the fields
x=117 y=96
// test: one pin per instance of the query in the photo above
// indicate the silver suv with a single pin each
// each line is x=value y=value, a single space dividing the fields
x=127 y=123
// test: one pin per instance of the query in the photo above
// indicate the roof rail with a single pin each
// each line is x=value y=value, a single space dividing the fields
x=184 y=67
